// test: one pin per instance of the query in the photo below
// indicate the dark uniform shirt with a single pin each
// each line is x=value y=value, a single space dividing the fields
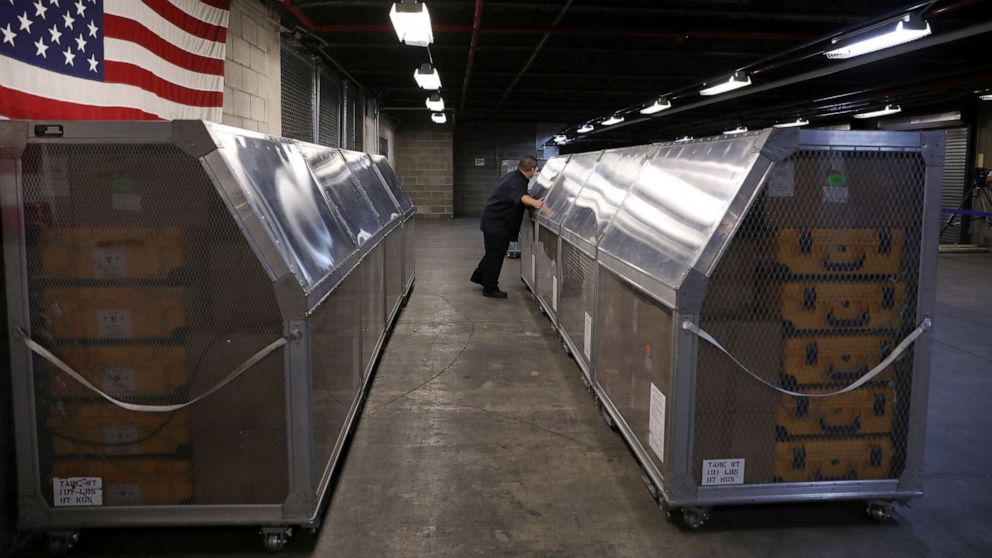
x=504 y=211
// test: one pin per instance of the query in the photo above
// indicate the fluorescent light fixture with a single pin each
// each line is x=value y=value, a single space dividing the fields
x=615 y=119
x=435 y=103
x=439 y=118
x=735 y=81
x=909 y=27
x=737 y=130
x=412 y=22
x=889 y=109
x=561 y=138
x=798 y=122
x=985 y=96
x=427 y=77
x=585 y=128
x=657 y=106
x=683 y=139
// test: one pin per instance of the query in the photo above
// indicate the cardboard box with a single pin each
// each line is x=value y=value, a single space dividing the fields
x=868 y=410
x=114 y=312
x=834 y=459
x=111 y=252
x=746 y=436
x=721 y=386
x=840 y=251
x=133 y=482
x=123 y=370
x=240 y=466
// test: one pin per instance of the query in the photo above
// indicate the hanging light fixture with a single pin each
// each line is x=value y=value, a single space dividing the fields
x=412 y=22
x=737 y=130
x=889 y=109
x=585 y=128
x=683 y=139
x=987 y=96
x=659 y=105
x=909 y=27
x=735 y=81
x=439 y=118
x=616 y=118
x=435 y=103
x=427 y=77
x=797 y=122
x=561 y=138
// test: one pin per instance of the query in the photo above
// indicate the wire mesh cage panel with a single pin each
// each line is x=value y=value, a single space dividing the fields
x=634 y=361
x=818 y=286
x=577 y=299
x=129 y=255
x=393 y=270
x=409 y=252
x=527 y=255
x=373 y=304
x=239 y=280
x=546 y=263
x=335 y=350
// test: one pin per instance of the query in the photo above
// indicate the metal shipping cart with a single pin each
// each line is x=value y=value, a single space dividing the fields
x=196 y=311
x=751 y=312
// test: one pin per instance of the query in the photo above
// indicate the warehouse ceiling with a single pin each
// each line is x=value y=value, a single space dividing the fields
x=574 y=61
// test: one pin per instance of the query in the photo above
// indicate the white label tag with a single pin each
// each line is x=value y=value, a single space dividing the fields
x=782 y=180
x=533 y=268
x=77 y=491
x=656 y=422
x=587 y=337
x=835 y=189
x=119 y=438
x=717 y=472
x=114 y=323
x=118 y=381
x=126 y=202
x=109 y=263
x=554 y=293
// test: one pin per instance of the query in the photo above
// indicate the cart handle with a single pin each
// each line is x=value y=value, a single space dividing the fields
x=252 y=361
x=924 y=326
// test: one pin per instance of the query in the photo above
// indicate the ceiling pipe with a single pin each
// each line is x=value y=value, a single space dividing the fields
x=534 y=54
x=569 y=31
x=476 y=22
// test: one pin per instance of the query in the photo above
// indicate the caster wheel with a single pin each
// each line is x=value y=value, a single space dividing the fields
x=879 y=512
x=60 y=543
x=694 y=518
x=275 y=539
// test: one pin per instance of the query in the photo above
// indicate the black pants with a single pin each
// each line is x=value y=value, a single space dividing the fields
x=492 y=263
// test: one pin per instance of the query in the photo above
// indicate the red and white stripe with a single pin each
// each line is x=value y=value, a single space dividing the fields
x=164 y=59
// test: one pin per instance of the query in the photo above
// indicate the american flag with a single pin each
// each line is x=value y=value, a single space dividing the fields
x=112 y=59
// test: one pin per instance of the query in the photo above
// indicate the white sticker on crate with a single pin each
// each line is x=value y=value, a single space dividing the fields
x=835 y=189
x=126 y=202
x=656 y=422
x=120 y=440
x=118 y=381
x=114 y=323
x=554 y=293
x=587 y=337
x=77 y=491
x=533 y=269
x=782 y=180
x=109 y=263
x=718 y=472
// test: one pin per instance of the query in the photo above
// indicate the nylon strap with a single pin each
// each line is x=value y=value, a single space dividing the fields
x=924 y=326
x=47 y=355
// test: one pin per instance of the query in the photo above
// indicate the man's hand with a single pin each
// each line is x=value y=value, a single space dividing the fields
x=532 y=202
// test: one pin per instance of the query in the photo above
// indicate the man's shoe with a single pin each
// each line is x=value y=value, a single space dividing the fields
x=494 y=293
x=476 y=277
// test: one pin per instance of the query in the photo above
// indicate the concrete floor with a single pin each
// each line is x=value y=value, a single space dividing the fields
x=479 y=439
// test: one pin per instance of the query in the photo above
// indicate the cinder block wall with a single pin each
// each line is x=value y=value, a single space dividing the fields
x=424 y=164
x=492 y=142
x=252 y=69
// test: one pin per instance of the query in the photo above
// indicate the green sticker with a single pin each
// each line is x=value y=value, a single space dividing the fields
x=836 y=180
x=121 y=184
